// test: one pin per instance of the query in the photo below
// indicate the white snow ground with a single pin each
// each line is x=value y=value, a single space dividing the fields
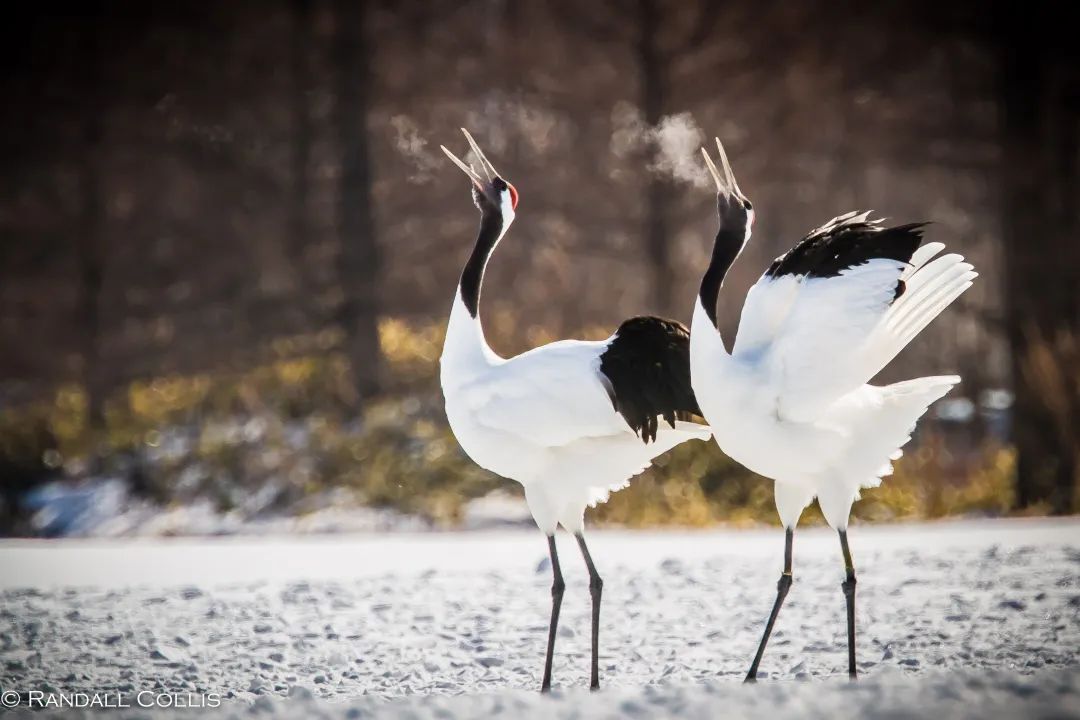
x=959 y=619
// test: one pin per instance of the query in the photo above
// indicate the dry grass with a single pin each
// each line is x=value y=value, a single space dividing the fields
x=284 y=425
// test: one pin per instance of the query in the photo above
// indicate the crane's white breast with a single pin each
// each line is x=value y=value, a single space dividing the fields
x=501 y=452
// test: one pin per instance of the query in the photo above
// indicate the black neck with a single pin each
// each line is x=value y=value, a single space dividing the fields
x=472 y=277
x=727 y=246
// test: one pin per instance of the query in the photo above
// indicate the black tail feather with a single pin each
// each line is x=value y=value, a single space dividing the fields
x=647 y=366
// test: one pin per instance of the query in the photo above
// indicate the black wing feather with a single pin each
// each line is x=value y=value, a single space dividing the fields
x=647 y=366
x=848 y=241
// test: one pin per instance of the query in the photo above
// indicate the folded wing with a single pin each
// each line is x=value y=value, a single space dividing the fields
x=564 y=392
x=550 y=396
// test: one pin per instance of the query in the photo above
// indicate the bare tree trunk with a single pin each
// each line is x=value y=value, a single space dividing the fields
x=1039 y=125
x=360 y=258
x=658 y=189
x=1063 y=336
x=90 y=235
x=301 y=131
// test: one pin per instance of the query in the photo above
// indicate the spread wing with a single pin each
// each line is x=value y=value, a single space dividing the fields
x=813 y=321
x=814 y=357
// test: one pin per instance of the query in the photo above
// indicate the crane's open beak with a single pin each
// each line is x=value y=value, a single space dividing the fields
x=487 y=167
x=724 y=185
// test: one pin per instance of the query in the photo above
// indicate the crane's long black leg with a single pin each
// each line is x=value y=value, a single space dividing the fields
x=557 y=588
x=848 y=587
x=596 y=588
x=782 y=587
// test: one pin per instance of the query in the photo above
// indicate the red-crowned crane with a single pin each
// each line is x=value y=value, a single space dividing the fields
x=572 y=420
x=791 y=400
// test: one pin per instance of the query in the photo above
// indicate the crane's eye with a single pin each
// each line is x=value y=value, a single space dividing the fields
x=747 y=205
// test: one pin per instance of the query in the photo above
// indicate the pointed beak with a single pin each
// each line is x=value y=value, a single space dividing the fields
x=487 y=167
x=720 y=187
x=467 y=169
x=725 y=185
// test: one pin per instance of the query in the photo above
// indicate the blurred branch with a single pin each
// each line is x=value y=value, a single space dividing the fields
x=575 y=15
x=706 y=20
x=418 y=16
x=991 y=320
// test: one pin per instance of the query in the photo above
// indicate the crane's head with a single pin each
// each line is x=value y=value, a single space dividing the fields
x=734 y=208
x=492 y=194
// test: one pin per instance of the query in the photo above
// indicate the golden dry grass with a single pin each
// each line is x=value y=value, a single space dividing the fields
x=401 y=453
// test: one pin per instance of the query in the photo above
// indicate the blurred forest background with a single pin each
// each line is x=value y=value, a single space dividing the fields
x=228 y=242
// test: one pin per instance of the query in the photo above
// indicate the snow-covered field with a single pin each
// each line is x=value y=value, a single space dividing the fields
x=964 y=619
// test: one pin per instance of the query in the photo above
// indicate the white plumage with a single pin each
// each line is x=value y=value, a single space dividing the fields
x=557 y=419
x=791 y=401
x=545 y=419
